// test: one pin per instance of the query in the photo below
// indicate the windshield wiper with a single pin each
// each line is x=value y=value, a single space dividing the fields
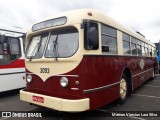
x=55 y=48
x=31 y=57
x=40 y=44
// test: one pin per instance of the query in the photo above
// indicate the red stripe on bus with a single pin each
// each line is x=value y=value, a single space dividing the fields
x=15 y=64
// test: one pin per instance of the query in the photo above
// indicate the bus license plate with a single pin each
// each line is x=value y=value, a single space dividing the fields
x=38 y=99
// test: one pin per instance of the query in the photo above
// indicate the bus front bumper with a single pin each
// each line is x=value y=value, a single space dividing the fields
x=55 y=103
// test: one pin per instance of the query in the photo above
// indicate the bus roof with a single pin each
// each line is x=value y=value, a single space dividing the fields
x=11 y=31
x=77 y=16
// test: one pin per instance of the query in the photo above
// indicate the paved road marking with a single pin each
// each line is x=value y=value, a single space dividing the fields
x=138 y=118
x=31 y=109
x=155 y=80
x=146 y=96
x=5 y=118
x=150 y=86
x=102 y=110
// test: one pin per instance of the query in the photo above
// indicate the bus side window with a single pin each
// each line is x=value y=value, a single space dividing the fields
x=109 y=40
x=150 y=50
x=14 y=46
x=2 y=38
x=126 y=44
x=1 y=49
x=90 y=35
x=134 y=46
x=9 y=49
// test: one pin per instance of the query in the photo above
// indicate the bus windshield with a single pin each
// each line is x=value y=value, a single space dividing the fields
x=62 y=43
x=36 y=47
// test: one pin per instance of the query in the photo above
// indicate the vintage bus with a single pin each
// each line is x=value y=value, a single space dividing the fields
x=12 y=68
x=82 y=60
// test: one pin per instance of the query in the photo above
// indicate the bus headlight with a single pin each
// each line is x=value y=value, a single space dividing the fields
x=29 y=78
x=64 y=82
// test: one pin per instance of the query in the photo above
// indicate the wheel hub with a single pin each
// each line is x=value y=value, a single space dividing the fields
x=123 y=88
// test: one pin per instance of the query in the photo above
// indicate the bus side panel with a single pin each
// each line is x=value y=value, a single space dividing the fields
x=133 y=64
x=140 y=75
x=145 y=73
x=12 y=81
x=12 y=75
x=100 y=71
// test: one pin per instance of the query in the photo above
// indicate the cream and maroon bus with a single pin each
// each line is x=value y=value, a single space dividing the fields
x=82 y=60
x=12 y=68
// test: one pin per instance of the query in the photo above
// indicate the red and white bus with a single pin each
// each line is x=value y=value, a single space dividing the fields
x=82 y=60
x=12 y=68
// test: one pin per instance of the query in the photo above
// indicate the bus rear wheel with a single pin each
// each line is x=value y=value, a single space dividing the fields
x=153 y=74
x=123 y=89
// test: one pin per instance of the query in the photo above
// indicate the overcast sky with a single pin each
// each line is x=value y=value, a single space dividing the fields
x=139 y=15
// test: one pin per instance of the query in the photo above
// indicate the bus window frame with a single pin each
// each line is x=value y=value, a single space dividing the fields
x=20 y=55
x=86 y=29
x=60 y=29
x=134 y=41
x=111 y=36
x=47 y=42
x=128 y=41
x=41 y=35
x=20 y=52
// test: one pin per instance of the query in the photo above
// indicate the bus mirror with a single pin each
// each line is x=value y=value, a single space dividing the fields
x=90 y=35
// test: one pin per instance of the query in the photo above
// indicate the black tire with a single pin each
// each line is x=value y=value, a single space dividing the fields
x=124 y=91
